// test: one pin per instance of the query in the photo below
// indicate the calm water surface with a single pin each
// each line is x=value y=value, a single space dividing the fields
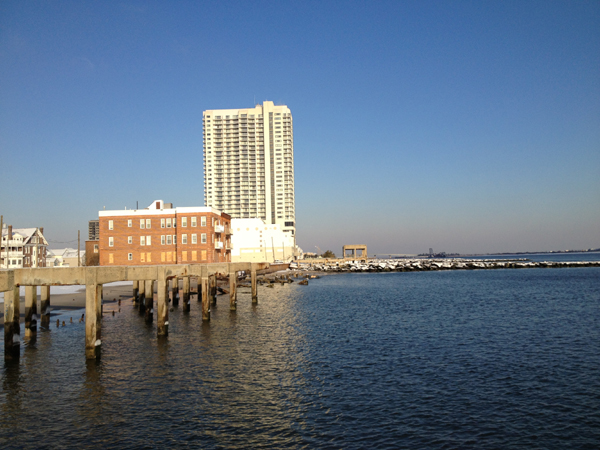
x=477 y=359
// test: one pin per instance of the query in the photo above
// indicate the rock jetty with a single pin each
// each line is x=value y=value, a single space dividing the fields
x=419 y=265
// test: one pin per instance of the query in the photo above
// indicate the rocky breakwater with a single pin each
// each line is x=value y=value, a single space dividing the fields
x=419 y=265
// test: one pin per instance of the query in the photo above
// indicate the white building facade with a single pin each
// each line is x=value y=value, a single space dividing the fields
x=22 y=248
x=254 y=240
x=64 y=257
x=249 y=164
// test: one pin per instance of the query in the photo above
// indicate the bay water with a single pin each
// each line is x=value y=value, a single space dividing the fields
x=456 y=359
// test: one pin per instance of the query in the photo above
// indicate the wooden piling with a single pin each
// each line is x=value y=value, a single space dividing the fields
x=93 y=320
x=12 y=327
x=205 y=297
x=136 y=291
x=199 y=284
x=45 y=306
x=30 y=312
x=149 y=302
x=186 y=294
x=162 y=307
x=142 y=296
x=175 y=291
x=253 y=283
x=212 y=288
x=232 y=291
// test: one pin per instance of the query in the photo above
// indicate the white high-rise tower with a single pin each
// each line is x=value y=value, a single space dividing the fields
x=249 y=163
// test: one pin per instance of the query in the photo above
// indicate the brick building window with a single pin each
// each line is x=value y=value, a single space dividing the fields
x=174 y=239
x=148 y=221
x=194 y=221
x=203 y=221
x=130 y=256
x=194 y=238
x=169 y=239
x=148 y=240
x=111 y=242
x=184 y=238
x=184 y=221
x=142 y=240
x=129 y=223
x=162 y=240
x=110 y=224
x=142 y=224
x=130 y=239
x=110 y=258
x=168 y=223
x=162 y=223
x=203 y=238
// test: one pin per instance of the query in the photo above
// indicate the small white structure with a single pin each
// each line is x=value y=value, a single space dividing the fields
x=255 y=241
x=64 y=257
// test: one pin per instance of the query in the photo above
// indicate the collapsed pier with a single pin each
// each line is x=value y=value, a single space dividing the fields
x=165 y=277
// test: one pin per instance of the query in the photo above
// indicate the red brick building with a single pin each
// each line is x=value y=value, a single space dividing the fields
x=164 y=235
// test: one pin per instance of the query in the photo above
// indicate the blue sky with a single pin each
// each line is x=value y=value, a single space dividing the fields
x=463 y=126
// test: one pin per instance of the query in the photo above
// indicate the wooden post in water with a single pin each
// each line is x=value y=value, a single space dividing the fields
x=142 y=296
x=253 y=283
x=136 y=292
x=162 y=307
x=12 y=328
x=199 y=284
x=30 y=312
x=98 y=297
x=212 y=288
x=149 y=307
x=101 y=294
x=175 y=291
x=186 y=294
x=232 y=290
x=45 y=306
x=204 y=292
x=93 y=317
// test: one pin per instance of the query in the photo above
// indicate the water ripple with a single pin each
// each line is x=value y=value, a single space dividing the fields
x=447 y=360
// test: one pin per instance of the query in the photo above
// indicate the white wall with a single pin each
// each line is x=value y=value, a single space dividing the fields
x=255 y=241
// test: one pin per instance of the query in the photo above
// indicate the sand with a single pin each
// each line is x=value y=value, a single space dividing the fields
x=76 y=300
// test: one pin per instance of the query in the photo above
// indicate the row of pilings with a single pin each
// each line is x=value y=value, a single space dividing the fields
x=171 y=283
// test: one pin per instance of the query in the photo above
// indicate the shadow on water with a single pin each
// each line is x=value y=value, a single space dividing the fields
x=12 y=389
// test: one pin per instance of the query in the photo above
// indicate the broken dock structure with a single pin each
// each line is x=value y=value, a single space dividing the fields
x=144 y=278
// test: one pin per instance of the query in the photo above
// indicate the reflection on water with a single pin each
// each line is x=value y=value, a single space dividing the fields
x=485 y=359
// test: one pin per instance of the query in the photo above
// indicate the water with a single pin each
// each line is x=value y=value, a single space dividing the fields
x=453 y=359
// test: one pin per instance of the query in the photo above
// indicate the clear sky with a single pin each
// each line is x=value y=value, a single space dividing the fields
x=465 y=126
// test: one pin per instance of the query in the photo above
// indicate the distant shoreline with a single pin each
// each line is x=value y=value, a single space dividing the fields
x=551 y=252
